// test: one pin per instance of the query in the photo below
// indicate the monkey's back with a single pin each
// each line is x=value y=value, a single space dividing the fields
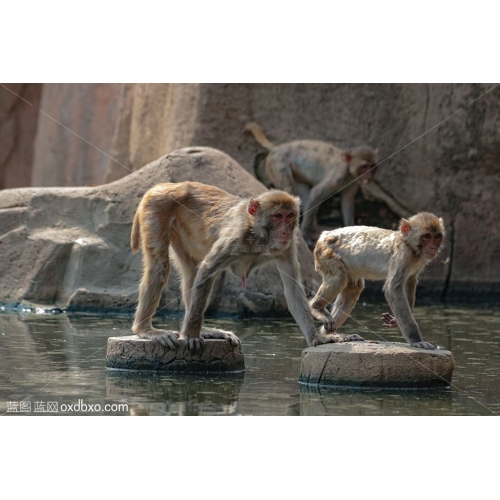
x=310 y=160
x=364 y=250
x=189 y=212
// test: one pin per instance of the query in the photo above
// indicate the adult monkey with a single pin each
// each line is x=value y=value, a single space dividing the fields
x=209 y=230
x=346 y=256
x=315 y=170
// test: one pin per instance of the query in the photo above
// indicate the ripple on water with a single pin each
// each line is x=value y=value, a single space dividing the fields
x=61 y=358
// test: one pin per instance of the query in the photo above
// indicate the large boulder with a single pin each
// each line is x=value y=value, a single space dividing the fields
x=69 y=247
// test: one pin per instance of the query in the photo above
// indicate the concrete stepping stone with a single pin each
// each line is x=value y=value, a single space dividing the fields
x=134 y=353
x=375 y=364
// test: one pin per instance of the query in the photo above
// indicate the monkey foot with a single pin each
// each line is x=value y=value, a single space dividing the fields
x=165 y=338
x=335 y=338
x=214 y=333
x=423 y=345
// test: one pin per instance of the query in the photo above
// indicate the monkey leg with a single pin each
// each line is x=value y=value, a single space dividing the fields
x=279 y=172
x=345 y=302
x=156 y=272
x=186 y=266
x=331 y=287
x=205 y=277
x=403 y=317
x=347 y=203
x=318 y=194
x=302 y=191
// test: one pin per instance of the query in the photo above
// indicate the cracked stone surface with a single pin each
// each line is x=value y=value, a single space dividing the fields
x=383 y=364
x=134 y=353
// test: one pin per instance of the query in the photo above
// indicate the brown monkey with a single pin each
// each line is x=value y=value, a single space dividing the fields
x=314 y=170
x=347 y=256
x=209 y=230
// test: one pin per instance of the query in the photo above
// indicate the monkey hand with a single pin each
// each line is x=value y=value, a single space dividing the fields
x=165 y=337
x=389 y=321
x=422 y=345
x=214 y=333
x=326 y=318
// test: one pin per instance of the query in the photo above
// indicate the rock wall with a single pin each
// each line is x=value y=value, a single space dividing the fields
x=19 y=113
x=75 y=132
x=439 y=145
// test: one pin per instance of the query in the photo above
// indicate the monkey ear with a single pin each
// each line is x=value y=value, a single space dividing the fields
x=348 y=157
x=405 y=227
x=253 y=205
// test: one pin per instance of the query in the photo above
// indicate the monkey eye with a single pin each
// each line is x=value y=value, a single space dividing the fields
x=278 y=216
x=290 y=215
x=439 y=236
x=427 y=236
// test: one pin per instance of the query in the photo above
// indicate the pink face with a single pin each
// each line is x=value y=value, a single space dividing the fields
x=284 y=223
x=431 y=242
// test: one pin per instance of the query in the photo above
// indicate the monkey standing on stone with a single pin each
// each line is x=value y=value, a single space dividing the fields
x=314 y=170
x=347 y=256
x=206 y=230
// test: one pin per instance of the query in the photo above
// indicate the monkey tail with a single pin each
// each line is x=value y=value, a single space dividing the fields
x=258 y=133
x=135 y=236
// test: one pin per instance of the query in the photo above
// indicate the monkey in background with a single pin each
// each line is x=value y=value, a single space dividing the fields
x=314 y=170
x=347 y=256
x=206 y=230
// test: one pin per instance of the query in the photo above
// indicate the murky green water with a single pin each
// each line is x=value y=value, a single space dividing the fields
x=61 y=359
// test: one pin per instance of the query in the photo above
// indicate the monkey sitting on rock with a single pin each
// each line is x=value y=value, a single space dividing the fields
x=347 y=256
x=206 y=230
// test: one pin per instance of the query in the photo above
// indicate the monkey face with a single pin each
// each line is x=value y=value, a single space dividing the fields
x=366 y=172
x=362 y=163
x=282 y=225
x=431 y=242
x=424 y=233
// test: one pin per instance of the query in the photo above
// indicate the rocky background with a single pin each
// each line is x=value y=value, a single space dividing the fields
x=69 y=247
x=439 y=145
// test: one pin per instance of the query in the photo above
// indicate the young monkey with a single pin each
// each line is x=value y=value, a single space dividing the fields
x=347 y=256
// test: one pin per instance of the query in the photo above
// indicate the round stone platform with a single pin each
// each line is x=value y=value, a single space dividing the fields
x=134 y=353
x=369 y=364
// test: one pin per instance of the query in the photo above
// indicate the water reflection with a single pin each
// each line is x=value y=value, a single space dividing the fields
x=62 y=358
x=176 y=395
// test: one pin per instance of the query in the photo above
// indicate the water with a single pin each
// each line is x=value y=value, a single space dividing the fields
x=61 y=359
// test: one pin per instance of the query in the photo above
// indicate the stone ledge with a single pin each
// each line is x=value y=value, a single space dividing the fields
x=383 y=364
x=134 y=353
